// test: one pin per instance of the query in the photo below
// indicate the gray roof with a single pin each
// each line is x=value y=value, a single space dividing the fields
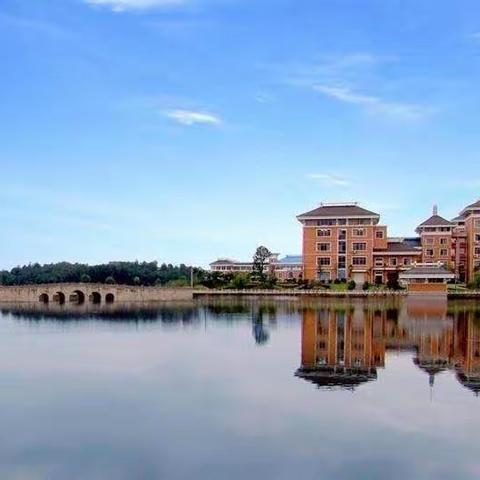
x=291 y=260
x=459 y=218
x=473 y=206
x=407 y=245
x=436 y=221
x=435 y=270
x=347 y=210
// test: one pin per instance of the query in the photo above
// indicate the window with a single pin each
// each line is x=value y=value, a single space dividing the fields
x=477 y=250
x=443 y=241
x=323 y=247
x=477 y=238
x=379 y=234
x=359 y=260
x=342 y=235
x=379 y=262
x=477 y=223
x=429 y=241
x=443 y=252
x=361 y=246
x=326 y=222
x=393 y=262
x=406 y=261
x=323 y=261
x=342 y=221
x=359 y=232
x=324 y=232
x=429 y=252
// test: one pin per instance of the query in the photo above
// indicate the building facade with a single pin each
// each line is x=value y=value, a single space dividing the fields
x=287 y=268
x=346 y=241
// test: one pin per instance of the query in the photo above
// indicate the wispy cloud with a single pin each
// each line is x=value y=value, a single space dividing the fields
x=190 y=117
x=345 y=77
x=372 y=103
x=124 y=5
x=330 y=179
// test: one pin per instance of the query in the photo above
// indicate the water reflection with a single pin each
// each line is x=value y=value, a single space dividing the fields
x=342 y=347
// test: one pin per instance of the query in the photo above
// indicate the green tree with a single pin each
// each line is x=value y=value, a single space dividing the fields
x=110 y=280
x=136 y=280
x=240 y=281
x=262 y=254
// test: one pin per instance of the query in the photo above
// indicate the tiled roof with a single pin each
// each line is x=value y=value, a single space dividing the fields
x=436 y=221
x=404 y=246
x=460 y=218
x=473 y=205
x=428 y=270
x=339 y=210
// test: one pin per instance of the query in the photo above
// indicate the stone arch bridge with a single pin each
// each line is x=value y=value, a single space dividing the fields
x=81 y=293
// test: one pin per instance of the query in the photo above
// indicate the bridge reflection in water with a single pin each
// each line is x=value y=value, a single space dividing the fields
x=343 y=347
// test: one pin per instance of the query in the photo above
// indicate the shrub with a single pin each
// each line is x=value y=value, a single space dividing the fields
x=366 y=286
x=475 y=283
x=337 y=281
x=351 y=285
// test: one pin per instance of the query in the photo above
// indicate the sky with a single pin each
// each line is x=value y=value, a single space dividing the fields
x=186 y=130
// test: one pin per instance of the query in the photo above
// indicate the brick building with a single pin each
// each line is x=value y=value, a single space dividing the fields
x=346 y=241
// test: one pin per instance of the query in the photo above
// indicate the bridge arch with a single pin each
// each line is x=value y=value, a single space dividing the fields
x=77 y=297
x=44 y=298
x=109 y=298
x=95 y=297
x=59 y=297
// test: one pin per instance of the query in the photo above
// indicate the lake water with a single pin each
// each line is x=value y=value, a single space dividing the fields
x=241 y=390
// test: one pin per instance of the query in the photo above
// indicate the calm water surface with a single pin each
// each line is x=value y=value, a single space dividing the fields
x=241 y=389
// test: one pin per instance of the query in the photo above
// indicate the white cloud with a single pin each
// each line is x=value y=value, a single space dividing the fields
x=123 y=5
x=327 y=178
x=373 y=104
x=189 y=117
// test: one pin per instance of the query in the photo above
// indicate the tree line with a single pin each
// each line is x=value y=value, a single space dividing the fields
x=122 y=273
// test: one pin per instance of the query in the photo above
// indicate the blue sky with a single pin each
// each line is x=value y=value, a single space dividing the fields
x=183 y=130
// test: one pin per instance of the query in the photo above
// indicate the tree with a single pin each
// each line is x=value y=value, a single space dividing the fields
x=239 y=281
x=85 y=278
x=260 y=258
x=110 y=280
x=136 y=280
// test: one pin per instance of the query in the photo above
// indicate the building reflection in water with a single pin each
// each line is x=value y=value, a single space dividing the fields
x=343 y=348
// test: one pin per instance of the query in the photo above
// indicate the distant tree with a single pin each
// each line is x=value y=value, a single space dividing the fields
x=136 y=280
x=110 y=280
x=262 y=254
x=85 y=278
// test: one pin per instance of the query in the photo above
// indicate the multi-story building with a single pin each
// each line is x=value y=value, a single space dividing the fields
x=436 y=235
x=339 y=240
x=346 y=241
x=471 y=215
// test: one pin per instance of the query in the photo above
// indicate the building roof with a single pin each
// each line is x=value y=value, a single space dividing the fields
x=291 y=259
x=433 y=270
x=459 y=218
x=228 y=261
x=332 y=377
x=409 y=245
x=334 y=210
x=436 y=221
x=473 y=206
